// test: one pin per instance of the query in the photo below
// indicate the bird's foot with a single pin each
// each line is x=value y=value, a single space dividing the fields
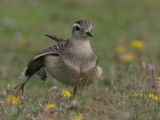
x=20 y=88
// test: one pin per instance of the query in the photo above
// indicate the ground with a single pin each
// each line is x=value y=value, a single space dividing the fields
x=125 y=37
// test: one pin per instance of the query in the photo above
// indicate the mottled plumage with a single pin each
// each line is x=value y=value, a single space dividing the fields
x=71 y=61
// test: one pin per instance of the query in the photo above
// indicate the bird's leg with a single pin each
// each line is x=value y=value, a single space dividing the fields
x=76 y=86
x=21 y=86
x=74 y=91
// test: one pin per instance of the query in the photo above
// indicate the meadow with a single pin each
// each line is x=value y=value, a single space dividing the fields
x=126 y=39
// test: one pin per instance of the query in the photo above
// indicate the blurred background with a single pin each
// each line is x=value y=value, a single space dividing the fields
x=23 y=23
x=126 y=38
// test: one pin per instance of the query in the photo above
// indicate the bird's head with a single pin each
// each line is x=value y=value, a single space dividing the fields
x=82 y=29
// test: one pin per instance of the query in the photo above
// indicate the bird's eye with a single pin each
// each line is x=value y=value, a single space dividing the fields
x=77 y=28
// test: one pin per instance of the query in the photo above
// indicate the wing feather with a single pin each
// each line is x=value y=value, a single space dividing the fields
x=38 y=61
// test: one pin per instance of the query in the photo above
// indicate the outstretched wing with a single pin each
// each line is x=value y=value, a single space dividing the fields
x=55 y=38
x=38 y=61
x=41 y=74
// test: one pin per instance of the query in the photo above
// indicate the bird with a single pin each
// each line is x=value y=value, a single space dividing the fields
x=71 y=61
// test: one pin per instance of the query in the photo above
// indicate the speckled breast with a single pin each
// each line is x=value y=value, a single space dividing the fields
x=61 y=71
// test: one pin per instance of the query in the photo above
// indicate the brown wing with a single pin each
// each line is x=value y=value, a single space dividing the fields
x=38 y=61
x=55 y=38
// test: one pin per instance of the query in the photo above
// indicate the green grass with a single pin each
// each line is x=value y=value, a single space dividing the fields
x=115 y=23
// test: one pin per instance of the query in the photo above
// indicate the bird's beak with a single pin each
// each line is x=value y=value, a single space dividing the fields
x=89 y=34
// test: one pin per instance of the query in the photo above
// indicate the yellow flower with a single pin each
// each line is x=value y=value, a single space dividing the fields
x=50 y=118
x=50 y=106
x=127 y=57
x=13 y=100
x=121 y=49
x=139 y=44
x=153 y=96
x=137 y=94
x=66 y=93
x=79 y=117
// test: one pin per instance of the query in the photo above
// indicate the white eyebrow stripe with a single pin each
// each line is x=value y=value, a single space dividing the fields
x=76 y=24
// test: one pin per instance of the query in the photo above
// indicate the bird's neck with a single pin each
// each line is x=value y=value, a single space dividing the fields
x=81 y=44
